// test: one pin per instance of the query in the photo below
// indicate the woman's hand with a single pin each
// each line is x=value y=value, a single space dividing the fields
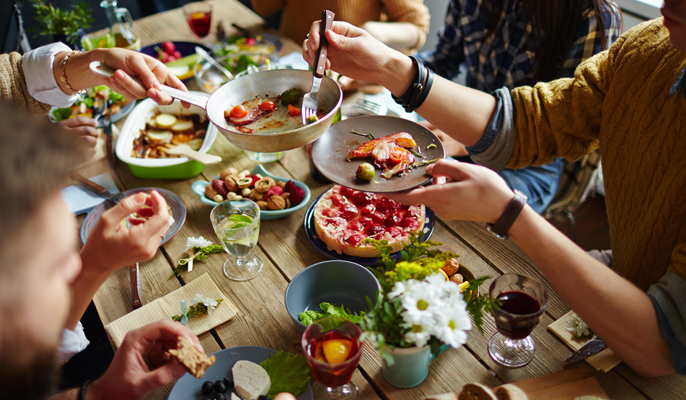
x=471 y=192
x=353 y=52
x=82 y=127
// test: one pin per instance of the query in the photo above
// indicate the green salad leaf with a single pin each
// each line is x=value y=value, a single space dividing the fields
x=329 y=310
x=288 y=373
x=60 y=114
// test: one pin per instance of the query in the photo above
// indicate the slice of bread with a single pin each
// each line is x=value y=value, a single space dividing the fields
x=476 y=391
x=510 y=392
x=193 y=360
x=250 y=380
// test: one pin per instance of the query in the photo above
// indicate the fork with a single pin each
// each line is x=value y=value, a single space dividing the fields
x=372 y=107
x=311 y=99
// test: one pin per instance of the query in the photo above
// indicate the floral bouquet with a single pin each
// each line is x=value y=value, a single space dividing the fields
x=418 y=305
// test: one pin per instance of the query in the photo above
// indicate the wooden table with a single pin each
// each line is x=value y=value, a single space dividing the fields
x=263 y=320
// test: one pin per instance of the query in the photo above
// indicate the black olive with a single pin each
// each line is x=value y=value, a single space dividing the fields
x=228 y=382
x=219 y=396
x=220 y=387
x=264 y=397
x=207 y=387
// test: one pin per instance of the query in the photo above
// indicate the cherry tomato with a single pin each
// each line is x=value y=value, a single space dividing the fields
x=267 y=106
x=239 y=111
x=293 y=110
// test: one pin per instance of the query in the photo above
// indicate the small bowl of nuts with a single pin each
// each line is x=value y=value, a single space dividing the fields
x=277 y=197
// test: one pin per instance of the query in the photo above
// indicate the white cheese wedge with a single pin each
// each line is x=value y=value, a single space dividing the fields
x=250 y=380
x=234 y=397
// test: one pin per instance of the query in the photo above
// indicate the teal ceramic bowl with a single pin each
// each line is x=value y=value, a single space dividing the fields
x=335 y=281
x=198 y=187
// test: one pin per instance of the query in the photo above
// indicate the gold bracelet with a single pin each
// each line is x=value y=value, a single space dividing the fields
x=63 y=69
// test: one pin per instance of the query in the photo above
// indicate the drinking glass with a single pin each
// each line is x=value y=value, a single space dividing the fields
x=199 y=18
x=323 y=338
x=237 y=225
x=523 y=301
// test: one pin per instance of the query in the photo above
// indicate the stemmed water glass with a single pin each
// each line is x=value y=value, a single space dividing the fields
x=237 y=225
x=523 y=301
x=333 y=350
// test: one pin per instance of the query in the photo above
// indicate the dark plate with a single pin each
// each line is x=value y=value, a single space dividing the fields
x=174 y=201
x=311 y=234
x=185 y=48
x=330 y=151
x=188 y=387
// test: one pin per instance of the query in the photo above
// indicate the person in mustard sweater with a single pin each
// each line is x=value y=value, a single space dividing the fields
x=630 y=103
x=405 y=27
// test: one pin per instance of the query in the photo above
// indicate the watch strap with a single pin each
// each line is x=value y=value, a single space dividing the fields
x=504 y=223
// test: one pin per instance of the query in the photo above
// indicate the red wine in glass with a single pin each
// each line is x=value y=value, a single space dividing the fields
x=518 y=303
x=200 y=23
x=333 y=350
x=333 y=375
x=523 y=300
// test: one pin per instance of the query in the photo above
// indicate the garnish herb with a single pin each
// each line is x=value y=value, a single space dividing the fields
x=369 y=134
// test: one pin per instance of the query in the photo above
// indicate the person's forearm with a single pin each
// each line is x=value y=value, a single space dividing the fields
x=84 y=288
x=78 y=71
x=459 y=111
x=397 y=35
x=617 y=311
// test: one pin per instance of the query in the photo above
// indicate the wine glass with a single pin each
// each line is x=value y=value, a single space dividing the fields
x=237 y=225
x=523 y=301
x=333 y=350
x=199 y=18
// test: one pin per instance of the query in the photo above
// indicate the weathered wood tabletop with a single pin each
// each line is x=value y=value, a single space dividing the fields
x=263 y=320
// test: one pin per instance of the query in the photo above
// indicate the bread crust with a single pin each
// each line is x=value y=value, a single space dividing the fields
x=193 y=360
x=330 y=237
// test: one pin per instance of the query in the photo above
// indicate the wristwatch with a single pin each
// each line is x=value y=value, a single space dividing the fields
x=503 y=224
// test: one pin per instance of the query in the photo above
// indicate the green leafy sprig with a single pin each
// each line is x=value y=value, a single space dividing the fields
x=56 y=21
x=197 y=310
x=197 y=254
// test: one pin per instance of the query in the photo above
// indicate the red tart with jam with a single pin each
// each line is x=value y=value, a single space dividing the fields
x=344 y=217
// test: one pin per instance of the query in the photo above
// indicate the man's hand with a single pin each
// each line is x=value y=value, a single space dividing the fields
x=111 y=245
x=142 y=363
x=472 y=192
x=82 y=127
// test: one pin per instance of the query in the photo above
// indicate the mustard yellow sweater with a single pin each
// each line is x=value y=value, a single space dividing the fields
x=617 y=102
x=13 y=85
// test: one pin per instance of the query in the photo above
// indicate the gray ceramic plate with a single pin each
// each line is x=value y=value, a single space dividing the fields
x=330 y=151
x=188 y=387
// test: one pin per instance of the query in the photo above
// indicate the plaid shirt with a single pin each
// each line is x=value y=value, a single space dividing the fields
x=506 y=58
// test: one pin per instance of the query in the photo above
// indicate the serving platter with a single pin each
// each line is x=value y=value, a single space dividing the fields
x=320 y=246
x=330 y=151
x=188 y=387
x=178 y=210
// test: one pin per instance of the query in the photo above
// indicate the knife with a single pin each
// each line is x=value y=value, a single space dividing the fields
x=135 y=279
x=594 y=346
x=90 y=185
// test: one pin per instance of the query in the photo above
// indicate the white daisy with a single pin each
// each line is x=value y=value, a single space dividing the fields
x=211 y=304
x=418 y=335
x=197 y=242
x=419 y=302
x=452 y=325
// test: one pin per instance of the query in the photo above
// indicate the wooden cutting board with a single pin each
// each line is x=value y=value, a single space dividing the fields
x=564 y=385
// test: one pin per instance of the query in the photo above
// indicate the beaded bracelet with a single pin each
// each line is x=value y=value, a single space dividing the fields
x=63 y=69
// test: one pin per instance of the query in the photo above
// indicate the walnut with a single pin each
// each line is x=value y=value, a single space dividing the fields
x=256 y=195
x=288 y=202
x=228 y=172
x=282 y=184
x=286 y=195
x=264 y=184
x=231 y=183
x=457 y=278
x=451 y=266
x=263 y=205
x=210 y=191
x=244 y=173
x=244 y=183
x=245 y=192
x=276 y=202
